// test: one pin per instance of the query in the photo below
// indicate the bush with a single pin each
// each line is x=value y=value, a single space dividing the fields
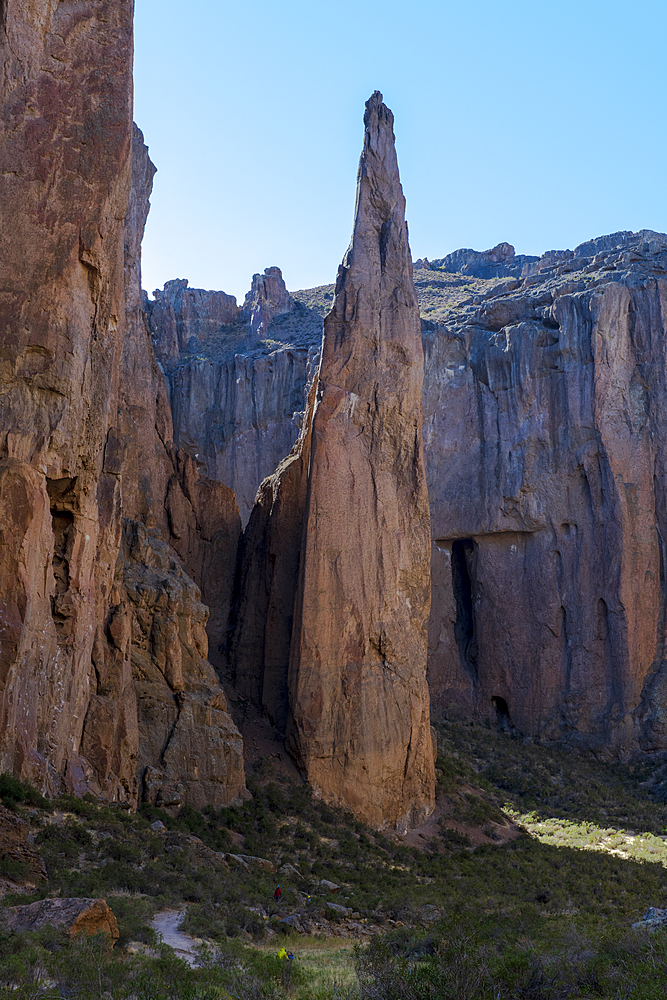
x=14 y=792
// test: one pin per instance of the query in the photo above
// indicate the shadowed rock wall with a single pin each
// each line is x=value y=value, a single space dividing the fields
x=544 y=428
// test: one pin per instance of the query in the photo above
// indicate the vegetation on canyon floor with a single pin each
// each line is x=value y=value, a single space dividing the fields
x=546 y=913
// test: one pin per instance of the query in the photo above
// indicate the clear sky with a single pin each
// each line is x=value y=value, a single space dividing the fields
x=541 y=123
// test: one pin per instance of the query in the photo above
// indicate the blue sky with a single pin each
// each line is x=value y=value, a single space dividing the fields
x=541 y=123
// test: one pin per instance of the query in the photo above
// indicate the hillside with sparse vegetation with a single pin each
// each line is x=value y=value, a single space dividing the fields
x=527 y=884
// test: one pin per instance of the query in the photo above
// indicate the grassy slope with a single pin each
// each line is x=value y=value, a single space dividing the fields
x=545 y=886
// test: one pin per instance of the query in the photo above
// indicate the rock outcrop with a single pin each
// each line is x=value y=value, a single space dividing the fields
x=359 y=722
x=65 y=152
x=343 y=526
x=86 y=433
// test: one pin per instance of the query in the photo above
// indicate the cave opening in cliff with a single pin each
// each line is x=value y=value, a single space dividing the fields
x=62 y=498
x=502 y=713
x=465 y=629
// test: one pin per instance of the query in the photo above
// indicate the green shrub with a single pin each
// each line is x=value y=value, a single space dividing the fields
x=14 y=792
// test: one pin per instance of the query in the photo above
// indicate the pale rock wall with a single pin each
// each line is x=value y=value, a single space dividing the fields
x=544 y=429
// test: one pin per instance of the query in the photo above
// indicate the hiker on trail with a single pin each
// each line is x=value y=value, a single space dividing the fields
x=282 y=953
x=278 y=894
x=290 y=956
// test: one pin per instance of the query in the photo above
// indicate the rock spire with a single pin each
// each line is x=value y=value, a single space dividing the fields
x=359 y=708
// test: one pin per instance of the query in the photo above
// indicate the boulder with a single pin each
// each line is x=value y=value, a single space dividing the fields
x=248 y=861
x=76 y=916
x=328 y=886
x=293 y=922
x=343 y=911
x=289 y=871
x=654 y=917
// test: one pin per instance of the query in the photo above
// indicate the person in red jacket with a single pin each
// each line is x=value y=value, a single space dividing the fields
x=278 y=894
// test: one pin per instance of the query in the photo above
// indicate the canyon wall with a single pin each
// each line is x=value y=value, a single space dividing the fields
x=544 y=428
x=543 y=404
x=86 y=440
x=65 y=151
x=237 y=377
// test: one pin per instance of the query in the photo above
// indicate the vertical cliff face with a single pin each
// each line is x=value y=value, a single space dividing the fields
x=545 y=411
x=157 y=712
x=85 y=437
x=65 y=151
x=269 y=561
x=236 y=377
x=333 y=599
x=359 y=713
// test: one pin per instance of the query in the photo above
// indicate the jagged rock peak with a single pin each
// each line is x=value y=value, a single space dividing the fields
x=359 y=722
x=268 y=297
x=379 y=193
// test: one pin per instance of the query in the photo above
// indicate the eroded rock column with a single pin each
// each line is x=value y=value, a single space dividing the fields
x=359 y=705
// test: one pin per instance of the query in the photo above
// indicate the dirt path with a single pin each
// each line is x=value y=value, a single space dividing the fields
x=166 y=924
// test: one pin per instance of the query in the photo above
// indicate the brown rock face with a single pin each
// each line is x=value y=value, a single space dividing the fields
x=359 y=713
x=65 y=158
x=86 y=436
x=333 y=597
x=189 y=748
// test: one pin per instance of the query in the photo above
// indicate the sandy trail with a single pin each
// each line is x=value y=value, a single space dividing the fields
x=166 y=923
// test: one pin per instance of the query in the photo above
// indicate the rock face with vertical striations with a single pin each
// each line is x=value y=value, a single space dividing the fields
x=359 y=708
x=65 y=161
x=343 y=526
x=86 y=437
x=545 y=421
x=235 y=376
